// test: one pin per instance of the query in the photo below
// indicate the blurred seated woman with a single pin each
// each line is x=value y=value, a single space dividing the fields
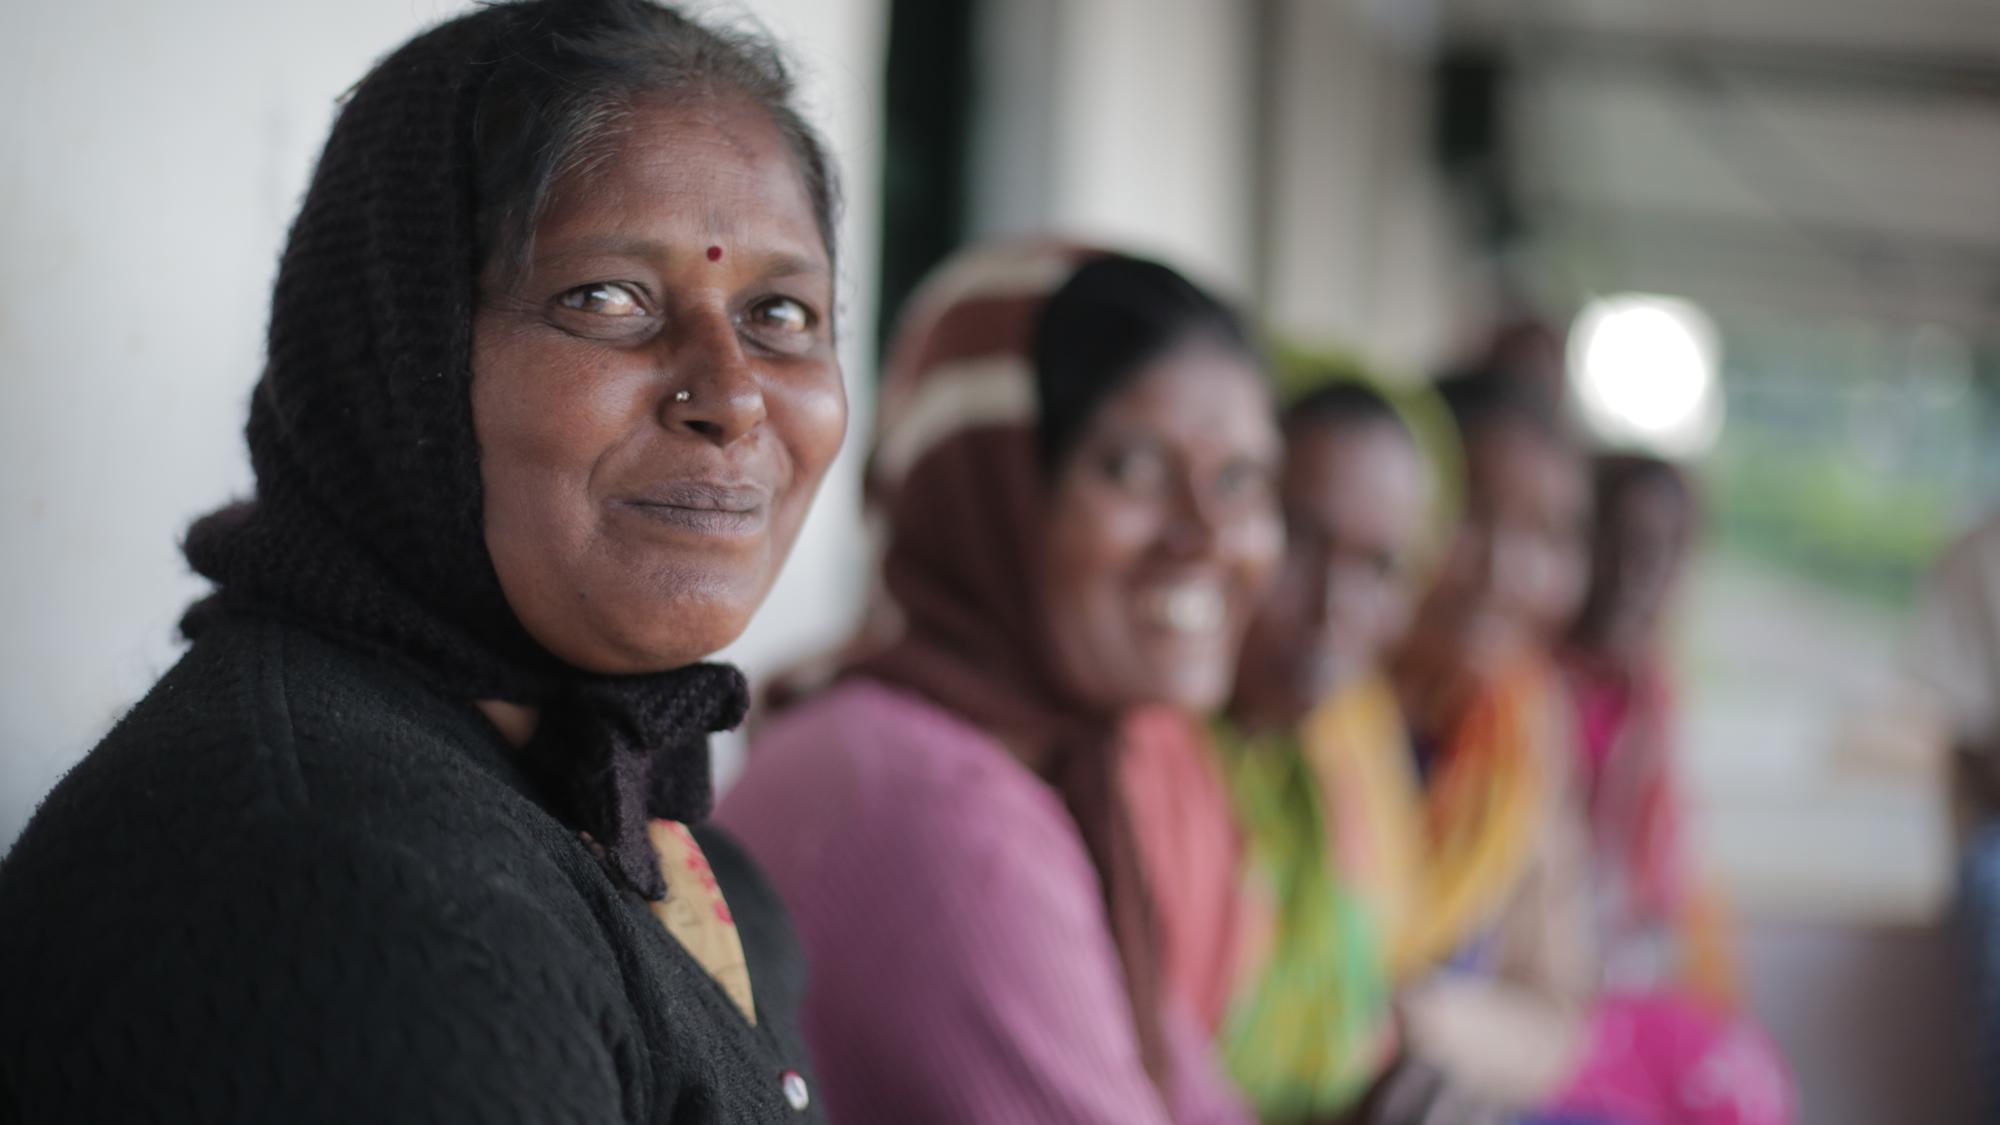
x=1509 y=1012
x=402 y=838
x=1314 y=756
x=1074 y=464
x=1655 y=922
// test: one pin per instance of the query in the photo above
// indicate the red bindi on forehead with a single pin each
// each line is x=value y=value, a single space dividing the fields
x=715 y=253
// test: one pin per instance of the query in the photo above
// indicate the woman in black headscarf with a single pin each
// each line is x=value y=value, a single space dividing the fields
x=551 y=383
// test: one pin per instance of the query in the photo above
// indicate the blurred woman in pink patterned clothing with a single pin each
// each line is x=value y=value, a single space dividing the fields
x=1074 y=467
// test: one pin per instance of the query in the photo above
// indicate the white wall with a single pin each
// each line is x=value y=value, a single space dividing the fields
x=1365 y=255
x=1122 y=120
x=1135 y=121
x=154 y=156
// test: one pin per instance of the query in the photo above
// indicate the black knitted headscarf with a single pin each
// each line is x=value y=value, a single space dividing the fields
x=367 y=519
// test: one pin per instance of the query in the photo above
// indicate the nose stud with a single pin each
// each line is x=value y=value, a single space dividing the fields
x=683 y=395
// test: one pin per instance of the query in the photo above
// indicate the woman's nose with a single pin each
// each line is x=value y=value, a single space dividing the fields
x=1194 y=522
x=711 y=387
x=1515 y=570
x=1476 y=557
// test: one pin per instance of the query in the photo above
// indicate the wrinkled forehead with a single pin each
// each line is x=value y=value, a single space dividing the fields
x=1319 y=448
x=1204 y=389
x=1360 y=478
x=1513 y=464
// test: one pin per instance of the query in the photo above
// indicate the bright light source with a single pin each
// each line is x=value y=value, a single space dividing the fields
x=1644 y=371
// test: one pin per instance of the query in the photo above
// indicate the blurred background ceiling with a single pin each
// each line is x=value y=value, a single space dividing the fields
x=1829 y=156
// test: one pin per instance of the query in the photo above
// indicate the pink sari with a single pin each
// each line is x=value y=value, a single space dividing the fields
x=1520 y=1009
x=1662 y=1048
x=1624 y=735
x=1665 y=1059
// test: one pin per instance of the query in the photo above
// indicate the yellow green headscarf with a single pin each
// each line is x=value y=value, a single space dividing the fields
x=1332 y=825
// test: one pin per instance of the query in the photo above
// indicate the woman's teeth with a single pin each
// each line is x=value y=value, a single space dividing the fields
x=1186 y=608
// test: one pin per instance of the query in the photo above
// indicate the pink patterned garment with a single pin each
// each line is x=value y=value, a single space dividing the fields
x=961 y=966
x=1662 y=1059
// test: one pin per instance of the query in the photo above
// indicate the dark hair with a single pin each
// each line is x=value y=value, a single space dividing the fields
x=1343 y=402
x=551 y=107
x=1616 y=476
x=1481 y=399
x=1112 y=317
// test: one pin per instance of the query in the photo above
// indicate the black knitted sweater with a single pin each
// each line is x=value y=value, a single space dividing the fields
x=295 y=885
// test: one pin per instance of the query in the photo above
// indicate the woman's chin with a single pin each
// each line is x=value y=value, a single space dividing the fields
x=653 y=636
x=1198 y=690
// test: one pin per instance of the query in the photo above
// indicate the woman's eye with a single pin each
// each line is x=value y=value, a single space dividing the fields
x=782 y=324
x=782 y=315
x=1134 y=468
x=603 y=299
x=1241 y=479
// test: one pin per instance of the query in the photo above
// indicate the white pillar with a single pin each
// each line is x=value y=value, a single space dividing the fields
x=1365 y=255
x=1127 y=121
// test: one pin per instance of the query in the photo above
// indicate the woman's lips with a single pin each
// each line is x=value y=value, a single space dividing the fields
x=708 y=508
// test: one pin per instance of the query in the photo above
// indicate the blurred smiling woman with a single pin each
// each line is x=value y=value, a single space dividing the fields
x=1075 y=466
x=1314 y=753
x=1506 y=994
x=550 y=387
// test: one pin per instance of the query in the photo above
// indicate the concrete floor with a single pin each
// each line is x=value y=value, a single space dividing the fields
x=1788 y=695
x=1837 y=858
x=1871 y=1019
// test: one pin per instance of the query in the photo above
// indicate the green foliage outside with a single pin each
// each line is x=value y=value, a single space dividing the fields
x=1829 y=519
x=1853 y=453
